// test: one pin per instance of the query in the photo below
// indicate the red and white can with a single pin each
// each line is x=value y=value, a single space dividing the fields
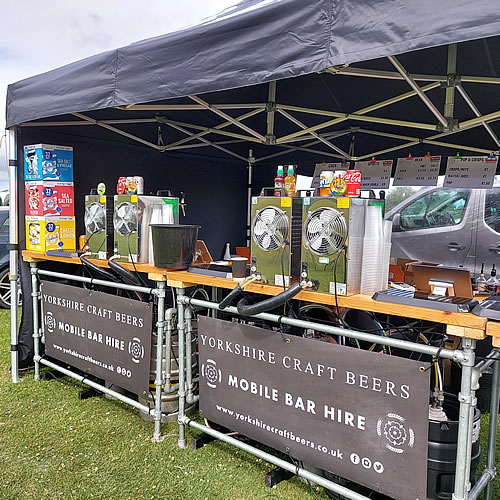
x=121 y=185
x=352 y=179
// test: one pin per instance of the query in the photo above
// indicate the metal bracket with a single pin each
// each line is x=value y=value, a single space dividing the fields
x=270 y=139
x=476 y=375
x=270 y=107
x=159 y=292
x=12 y=246
x=467 y=399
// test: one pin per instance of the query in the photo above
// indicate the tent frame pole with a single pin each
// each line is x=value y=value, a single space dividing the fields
x=411 y=82
x=314 y=134
x=251 y=161
x=208 y=131
x=228 y=118
x=476 y=111
x=13 y=251
x=393 y=75
x=270 y=112
x=206 y=141
x=449 y=105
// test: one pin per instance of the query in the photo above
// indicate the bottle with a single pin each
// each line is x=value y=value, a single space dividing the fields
x=492 y=282
x=290 y=182
x=481 y=281
x=279 y=181
x=227 y=253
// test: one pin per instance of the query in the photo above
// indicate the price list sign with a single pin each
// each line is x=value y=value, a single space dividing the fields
x=477 y=172
x=375 y=174
x=417 y=171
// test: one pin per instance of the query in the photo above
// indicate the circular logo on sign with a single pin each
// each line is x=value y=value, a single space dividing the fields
x=50 y=322
x=396 y=432
x=136 y=350
x=50 y=227
x=211 y=373
x=48 y=192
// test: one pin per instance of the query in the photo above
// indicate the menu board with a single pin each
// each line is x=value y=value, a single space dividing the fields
x=374 y=174
x=417 y=171
x=476 y=172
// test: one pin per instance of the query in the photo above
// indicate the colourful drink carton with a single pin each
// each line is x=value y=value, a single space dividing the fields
x=48 y=162
x=49 y=198
x=50 y=233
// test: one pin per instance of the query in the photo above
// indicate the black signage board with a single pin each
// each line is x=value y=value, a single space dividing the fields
x=101 y=334
x=358 y=414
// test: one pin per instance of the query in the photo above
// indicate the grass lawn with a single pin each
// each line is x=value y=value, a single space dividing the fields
x=54 y=446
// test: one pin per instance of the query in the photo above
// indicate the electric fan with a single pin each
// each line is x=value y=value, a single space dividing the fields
x=270 y=229
x=125 y=218
x=325 y=231
x=95 y=217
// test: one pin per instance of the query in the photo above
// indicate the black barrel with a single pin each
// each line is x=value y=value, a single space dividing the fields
x=174 y=245
x=441 y=461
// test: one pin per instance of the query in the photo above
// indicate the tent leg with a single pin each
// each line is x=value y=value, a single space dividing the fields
x=13 y=251
x=181 y=324
x=251 y=161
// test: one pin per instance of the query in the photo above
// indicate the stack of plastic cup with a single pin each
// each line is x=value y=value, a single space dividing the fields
x=373 y=251
x=386 y=257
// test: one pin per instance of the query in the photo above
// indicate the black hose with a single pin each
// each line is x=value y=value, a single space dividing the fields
x=246 y=308
x=99 y=270
x=127 y=276
x=230 y=297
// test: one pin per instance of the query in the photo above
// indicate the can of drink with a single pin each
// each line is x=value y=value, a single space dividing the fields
x=338 y=186
x=325 y=181
x=352 y=179
x=82 y=241
x=121 y=186
x=139 y=183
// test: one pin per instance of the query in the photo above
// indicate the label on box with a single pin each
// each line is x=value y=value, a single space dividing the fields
x=324 y=260
x=374 y=174
x=476 y=172
x=47 y=162
x=44 y=199
x=102 y=255
x=278 y=280
x=285 y=202
x=417 y=171
x=50 y=233
x=341 y=288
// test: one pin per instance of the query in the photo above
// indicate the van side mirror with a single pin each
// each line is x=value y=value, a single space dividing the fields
x=396 y=223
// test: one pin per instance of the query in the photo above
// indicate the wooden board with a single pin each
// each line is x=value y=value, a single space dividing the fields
x=363 y=302
x=157 y=272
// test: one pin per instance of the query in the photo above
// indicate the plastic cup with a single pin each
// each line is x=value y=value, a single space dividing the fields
x=239 y=265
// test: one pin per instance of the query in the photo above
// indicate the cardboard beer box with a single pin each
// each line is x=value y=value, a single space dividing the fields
x=48 y=162
x=49 y=198
x=50 y=233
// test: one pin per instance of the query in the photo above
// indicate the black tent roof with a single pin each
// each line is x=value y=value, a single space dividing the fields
x=256 y=41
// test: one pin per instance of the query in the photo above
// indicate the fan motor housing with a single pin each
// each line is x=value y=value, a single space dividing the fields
x=276 y=238
x=98 y=219
x=329 y=225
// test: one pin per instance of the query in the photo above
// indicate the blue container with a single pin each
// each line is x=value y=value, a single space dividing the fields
x=45 y=162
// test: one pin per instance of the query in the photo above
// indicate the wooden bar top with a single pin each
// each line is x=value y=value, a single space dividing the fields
x=184 y=279
x=471 y=325
x=156 y=272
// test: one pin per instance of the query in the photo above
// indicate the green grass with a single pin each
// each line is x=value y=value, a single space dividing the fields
x=54 y=446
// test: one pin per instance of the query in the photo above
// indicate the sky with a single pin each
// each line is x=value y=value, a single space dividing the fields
x=36 y=37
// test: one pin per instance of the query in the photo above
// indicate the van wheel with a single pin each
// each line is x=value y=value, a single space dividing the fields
x=4 y=289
